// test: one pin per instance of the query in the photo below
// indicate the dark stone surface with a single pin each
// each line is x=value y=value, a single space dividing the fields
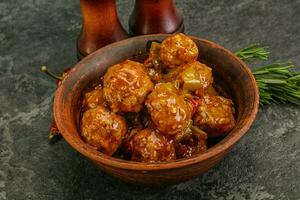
x=265 y=164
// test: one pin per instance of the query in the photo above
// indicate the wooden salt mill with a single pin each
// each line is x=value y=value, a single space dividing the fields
x=155 y=16
x=100 y=26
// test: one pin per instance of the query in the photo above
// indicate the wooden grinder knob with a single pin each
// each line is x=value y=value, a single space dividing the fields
x=100 y=27
x=155 y=16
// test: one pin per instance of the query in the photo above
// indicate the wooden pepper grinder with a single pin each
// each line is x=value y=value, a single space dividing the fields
x=100 y=27
x=155 y=16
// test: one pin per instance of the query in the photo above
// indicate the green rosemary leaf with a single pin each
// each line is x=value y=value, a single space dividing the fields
x=276 y=82
x=254 y=51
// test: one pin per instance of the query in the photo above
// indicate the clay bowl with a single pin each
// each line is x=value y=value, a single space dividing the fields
x=229 y=72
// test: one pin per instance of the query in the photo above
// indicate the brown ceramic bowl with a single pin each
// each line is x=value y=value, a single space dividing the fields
x=229 y=71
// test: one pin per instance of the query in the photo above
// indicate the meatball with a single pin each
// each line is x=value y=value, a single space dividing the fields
x=177 y=50
x=168 y=109
x=103 y=129
x=193 y=76
x=126 y=86
x=93 y=98
x=150 y=146
x=215 y=115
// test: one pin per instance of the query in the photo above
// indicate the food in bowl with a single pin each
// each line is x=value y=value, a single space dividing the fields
x=162 y=109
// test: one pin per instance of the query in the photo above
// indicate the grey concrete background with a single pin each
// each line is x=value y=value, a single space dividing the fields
x=265 y=164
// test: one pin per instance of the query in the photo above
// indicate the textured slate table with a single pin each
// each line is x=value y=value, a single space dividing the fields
x=265 y=164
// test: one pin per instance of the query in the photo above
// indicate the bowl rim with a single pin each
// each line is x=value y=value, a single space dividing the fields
x=223 y=146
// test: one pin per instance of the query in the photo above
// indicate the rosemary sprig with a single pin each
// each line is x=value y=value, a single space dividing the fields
x=276 y=82
x=253 y=51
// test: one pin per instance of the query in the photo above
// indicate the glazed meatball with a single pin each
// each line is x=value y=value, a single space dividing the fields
x=177 y=50
x=150 y=146
x=168 y=109
x=215 y=115
x=126 y=86
x=103 y=129
x=93 y=98
x=193 y=76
